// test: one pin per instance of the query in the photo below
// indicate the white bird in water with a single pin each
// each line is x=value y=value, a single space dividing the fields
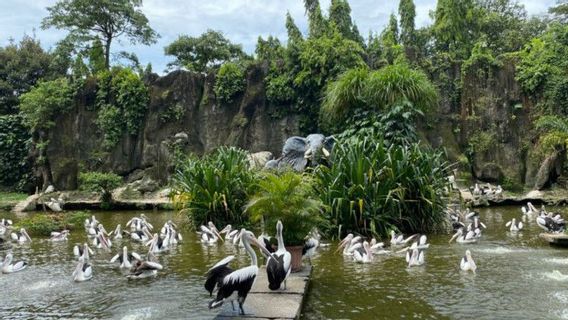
x=59 y=236
x=464 y=237
x=82 y=251
x=514 y=226
x=90 y=223
x=311 y=245
x=365 y=256
x=83 y=271
x=398 y=240
x=144 y=269
x=21 y=237
x=157 y=244
x=8 y=267
x=116 y=233
x=230 y=234
x=233 y=285
x=210 y=235
x=349 y=244
x=467 y=263
x=278 y=266
x=414 y=256
x=126 y=259
x=142 y=235
x=102 y=242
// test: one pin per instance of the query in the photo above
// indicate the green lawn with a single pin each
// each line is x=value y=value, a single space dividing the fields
x=9 y=199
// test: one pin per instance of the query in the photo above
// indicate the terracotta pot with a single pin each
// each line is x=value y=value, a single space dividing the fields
x=296 y=253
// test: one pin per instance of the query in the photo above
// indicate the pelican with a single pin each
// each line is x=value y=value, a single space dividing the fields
x=142 y=235
x=6 y=222
x=144 y=269
x=414 y=256
x=83 y=271
x=233 y=284
x=398 y=240
x=278 y=266
x=210 y=235
x=101 y=242
x=137 y=223
x=157 y=244
x=125 y=258
x=378 y=247
x=460 y=237
x=8 y=267
x=116 y=233
x=349 y=244
x=54 y=205
x=229 y=232
x=467 y=263
x=363 y=257
x=59 y=236
x=551 y=224
x=311 y=244
x=82 y=251
x=90 y=223
x=21 y=237
x=94 y=231
x=513 y=226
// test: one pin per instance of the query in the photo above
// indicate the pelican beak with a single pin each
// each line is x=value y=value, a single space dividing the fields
x=218 y=235
x=226 y=229
x=27 y=236
x=454 y=237
x=342 y=244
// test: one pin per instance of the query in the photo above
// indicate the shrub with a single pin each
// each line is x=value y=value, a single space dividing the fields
x=102 y=183
x=44 y=102
x=229 y=82
x=372 y=188
x=288 y=197
x=44 y=224
x=14 y=136
x=215 y=187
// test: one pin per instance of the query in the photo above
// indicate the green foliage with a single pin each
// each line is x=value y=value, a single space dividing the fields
x=340 y=17
x=22 y=65
x=44 y=102
x=481 y=61
x=122 y=100
x=371 y=188
x=407 y=13
x=317 y=24
x=270 y=49
x=481 y=142
x=44 y=224
x=553 y=132
x=102 y=183
x=280 y=88
x=174 y=112
x=203 y=53
x=379 y=90
x=229 y=82
x=14 y=136
x=97 y=57
x=215 y=187
x=106 y=20
x=455 y=26
x=288 y=197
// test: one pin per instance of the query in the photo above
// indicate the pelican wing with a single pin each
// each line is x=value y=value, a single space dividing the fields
x=116 y=257
x=217 y=273
x=77 y=251
x=135 y=256
x=520 y=225
x=463 y=264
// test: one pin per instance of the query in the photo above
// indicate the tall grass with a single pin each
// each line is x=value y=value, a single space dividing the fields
x=215 y=187
x=372 y=188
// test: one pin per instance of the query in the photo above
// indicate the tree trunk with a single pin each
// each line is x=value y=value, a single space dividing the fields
x=107 y=52
x=550 y=169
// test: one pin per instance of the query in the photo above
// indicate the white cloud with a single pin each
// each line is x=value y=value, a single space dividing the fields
x=240 y=20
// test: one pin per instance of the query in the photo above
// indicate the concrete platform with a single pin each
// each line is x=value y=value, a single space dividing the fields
x=261 y=301
x=555 y=239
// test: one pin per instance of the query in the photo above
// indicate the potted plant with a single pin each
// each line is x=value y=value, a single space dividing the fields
x=288 y=197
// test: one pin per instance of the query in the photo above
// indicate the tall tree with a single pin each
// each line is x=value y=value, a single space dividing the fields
x=560 y=11
x=317 y=24
x=96 y=57
x=270 y=49
x=407 y=13
x=340 y=15
x=294 y=34
x=390 y=33
x=455 y=27
x=106 y=19
x=208 y=51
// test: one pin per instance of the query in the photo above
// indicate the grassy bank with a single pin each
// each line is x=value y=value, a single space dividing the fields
x=9 y=199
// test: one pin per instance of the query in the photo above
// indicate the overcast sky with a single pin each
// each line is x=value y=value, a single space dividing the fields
x=242 y=21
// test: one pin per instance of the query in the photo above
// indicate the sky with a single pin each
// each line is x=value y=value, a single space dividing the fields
x=242 y=21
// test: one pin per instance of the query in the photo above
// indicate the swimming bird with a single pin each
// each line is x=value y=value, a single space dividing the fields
x=54 y=205
x=549 y=223
x=467 y=263
x=6 y=222
x=59 y=236
x=142 y=235
x=82 y=251
x=126 y=259
x=364 y=256
x=414 y=256
x=278 y=266
x=137 y=223
x=398 y=240
x=210 y=235
x=83 y=271
x=157 y=244
x=102 y=242
x=116 y=233
x=8 y=267
x=233 y=285
x=90 y=223
x=514 y=226
x=464 y=237
x=311 y=245
x=94 y=231
x=349 y=244
x=229 y=232
x=144 y=269
x=21 y=237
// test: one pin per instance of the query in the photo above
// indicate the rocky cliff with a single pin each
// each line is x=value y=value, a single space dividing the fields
x=183 y=111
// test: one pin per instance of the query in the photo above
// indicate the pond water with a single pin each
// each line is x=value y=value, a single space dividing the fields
x=518 y=277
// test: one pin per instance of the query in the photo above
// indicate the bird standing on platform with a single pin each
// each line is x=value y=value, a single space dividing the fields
x=278 y=266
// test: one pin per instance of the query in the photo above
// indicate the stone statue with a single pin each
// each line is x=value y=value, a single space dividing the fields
x=299 y=152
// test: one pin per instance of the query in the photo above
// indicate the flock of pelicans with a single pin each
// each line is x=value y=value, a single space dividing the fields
x=231 y=285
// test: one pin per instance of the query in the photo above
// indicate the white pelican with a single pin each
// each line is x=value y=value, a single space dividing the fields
x=102 y=242
x=278 y=266
x=349 y=244
x=157 y=244
x=59 y=236
x=514 y=226
x=6 y=222
x=125 y=258
x=144 y=269
x=116 y=233
x=91 y=223
x=21 y=237
x=551 y=224
x=467 y=263
x=82 y=251
x=83 y=271
x=414 y=256
x=311 y=245
x=462 y=237
x=398 y=240
x=94 y=231
x=137 y=223
x=54 y=205
x=366 y=256
x=8 y=267
x=229 y=232
x=210 y=235
x=233 y=284
x=142 y=235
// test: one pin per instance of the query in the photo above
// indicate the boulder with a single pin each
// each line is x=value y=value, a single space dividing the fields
x=257 y=160
x=550 y=170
